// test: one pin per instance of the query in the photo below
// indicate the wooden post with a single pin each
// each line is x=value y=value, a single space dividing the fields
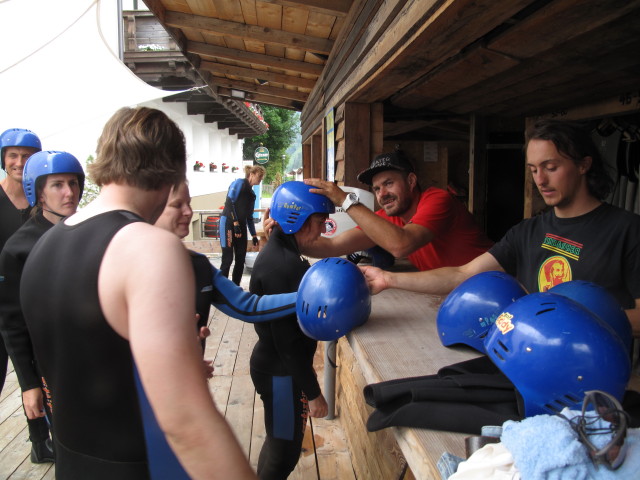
x=477 y=169
x=306 y=159
x=357 y=141
x=317 y=147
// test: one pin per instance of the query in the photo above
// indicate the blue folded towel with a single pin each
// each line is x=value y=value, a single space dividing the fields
x=545 y=447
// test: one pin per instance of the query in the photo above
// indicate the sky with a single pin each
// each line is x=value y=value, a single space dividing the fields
x=60 y=75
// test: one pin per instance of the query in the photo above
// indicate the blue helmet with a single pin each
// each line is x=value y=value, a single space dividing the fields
x=45 y=163
x=472 y=307
x=18 y=137
x=293 y=203
x=333 y=299
x=602 y=303
x=554 y=350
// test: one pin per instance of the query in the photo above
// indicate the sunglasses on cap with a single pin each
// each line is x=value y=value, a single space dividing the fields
x=602 y=414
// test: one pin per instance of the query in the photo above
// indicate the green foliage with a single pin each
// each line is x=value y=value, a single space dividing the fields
x=284 y=125
x=91 y=190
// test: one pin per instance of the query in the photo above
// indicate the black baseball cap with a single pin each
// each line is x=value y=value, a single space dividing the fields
x=395 y=160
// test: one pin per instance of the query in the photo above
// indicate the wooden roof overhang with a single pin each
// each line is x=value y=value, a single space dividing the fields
x=267 y=52
x=168 y=68
x=431 y=63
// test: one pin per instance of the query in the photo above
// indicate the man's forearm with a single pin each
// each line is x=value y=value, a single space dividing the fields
x=400 y=242
x=436 y=282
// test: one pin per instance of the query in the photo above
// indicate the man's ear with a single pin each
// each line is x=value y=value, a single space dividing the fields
x=412 y=179
x=585 y=165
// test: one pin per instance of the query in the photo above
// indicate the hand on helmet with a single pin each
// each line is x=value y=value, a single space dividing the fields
x=329 y=189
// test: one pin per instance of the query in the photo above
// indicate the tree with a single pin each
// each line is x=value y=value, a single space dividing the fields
x=284 y=125
x=91 y=190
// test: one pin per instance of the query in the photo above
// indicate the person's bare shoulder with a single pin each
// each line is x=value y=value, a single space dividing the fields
x=140 y=248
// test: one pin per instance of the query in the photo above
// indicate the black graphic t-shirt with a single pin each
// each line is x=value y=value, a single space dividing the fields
x=602 y=246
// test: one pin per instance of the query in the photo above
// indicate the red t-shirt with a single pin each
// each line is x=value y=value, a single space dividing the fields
x=458 y=239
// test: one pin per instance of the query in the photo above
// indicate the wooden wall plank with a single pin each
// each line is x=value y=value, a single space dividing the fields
x=450 y=77
x=559 y=22
x=315 y=166
x=375 y=455
x=357 y=139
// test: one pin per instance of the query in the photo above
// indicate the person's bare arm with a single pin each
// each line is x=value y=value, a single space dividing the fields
x=399 y=241
x=634 y=318
x=437 y=282
x=146 y=288
x=353 y=240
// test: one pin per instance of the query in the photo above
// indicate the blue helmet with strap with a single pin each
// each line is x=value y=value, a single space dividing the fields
x=293 y=203
x=554 y=350
x=18 y=137
x=472 y=307
x=602 y=303
x=44 y=163
x=333 y=299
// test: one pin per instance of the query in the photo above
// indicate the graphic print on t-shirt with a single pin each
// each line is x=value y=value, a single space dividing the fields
x=553 y=271
x=556 y=269
x=563 y=246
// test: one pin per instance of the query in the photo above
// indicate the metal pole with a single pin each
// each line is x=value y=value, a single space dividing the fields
x=330 y=377
x=120 y=31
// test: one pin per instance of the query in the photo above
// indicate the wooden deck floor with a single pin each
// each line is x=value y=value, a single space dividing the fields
x=230 y=346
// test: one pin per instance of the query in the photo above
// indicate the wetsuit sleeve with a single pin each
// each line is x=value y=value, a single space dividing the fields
x=12 y=324
x=232 y=197
x=250 y=224
x=232 y=300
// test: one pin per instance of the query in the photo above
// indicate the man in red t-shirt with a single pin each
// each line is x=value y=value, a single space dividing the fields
x=431 y=228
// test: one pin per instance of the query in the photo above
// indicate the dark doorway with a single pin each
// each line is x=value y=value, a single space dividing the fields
x=505 y=177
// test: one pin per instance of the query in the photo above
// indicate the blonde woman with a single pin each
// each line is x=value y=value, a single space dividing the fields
x=236 y=217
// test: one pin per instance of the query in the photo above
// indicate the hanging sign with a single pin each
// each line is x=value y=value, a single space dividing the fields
x=261 y=155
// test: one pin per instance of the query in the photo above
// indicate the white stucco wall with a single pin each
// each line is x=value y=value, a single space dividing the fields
x=205 y=143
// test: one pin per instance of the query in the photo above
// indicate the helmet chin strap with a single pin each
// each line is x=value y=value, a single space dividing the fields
x=55 y=213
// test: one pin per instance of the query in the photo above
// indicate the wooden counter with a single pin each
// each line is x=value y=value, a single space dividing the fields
x=398 y=341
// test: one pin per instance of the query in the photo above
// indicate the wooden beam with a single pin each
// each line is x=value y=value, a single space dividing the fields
x=250 y=87
x=214 y=117
x=221 y=68
x=242 y=56
x=450 y=77
x=243 y=31
x=431 y=43
x=158 y=56
x=338 y=8
x=560 y=22
x=263 y=99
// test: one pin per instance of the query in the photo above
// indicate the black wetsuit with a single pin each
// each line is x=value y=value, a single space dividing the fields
x=12 y=325
x=213 y=288
x=88 y=366
x=282 y=360
x=11 y=219
x=238 y=207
